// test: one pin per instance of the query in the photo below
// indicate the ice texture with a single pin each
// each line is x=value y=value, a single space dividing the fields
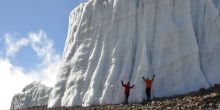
x=34 y=94
x=113 y=40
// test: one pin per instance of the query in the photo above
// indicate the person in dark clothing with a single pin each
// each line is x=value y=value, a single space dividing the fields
x=127 y=88
x=148 y=86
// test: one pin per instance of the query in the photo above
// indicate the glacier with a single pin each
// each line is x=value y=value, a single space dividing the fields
x=34 y=94
x=113 y=40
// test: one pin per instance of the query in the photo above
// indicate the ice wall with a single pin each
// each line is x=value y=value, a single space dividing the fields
x=34 y=94
x=113 y=40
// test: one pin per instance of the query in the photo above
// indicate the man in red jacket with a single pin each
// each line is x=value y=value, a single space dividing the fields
x=148 y=83
x=127 y=88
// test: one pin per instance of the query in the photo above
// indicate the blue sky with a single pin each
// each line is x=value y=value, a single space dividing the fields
x=20 y=17
x=32 y=38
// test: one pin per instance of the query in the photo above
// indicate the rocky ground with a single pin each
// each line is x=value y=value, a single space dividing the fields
x=205 y=99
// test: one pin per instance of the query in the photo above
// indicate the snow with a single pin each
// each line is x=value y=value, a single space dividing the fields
x=34 y=94
x=113 y=40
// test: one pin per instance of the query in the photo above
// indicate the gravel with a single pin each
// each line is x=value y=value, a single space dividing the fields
x=204 y=99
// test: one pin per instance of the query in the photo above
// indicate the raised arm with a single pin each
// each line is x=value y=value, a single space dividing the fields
x=132 y=86
x=153 y=77
x=143 y=78
x=122 y=83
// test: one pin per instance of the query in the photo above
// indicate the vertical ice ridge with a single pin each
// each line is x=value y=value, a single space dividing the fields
x=198 y=42
x=80 y=91
x=140 y=51
x=119 y=62
x=96 y=85
x=90 y=70
x=108 y=49
x=201 y=70
x=135 y=40
x=201 y=25
x=152 y=38
x=78 y=31
x=80 y=62
x=210 y=52
x=197 y=23
x=125 y=71
x=75 y=15
x=56 y=95
x=112 y=30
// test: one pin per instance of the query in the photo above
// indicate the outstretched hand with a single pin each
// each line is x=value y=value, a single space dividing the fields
x=132 y=86
x=143 y=78
x=153 y=77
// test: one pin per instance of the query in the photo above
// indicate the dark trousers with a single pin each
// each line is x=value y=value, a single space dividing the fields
x=148 y=90
x=126 y=96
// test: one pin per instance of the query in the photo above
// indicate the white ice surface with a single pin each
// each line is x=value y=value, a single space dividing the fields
x=34 y=94
x=113 y=40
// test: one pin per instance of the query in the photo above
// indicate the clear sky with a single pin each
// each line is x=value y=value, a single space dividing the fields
x=32 y=38
x=24 y=16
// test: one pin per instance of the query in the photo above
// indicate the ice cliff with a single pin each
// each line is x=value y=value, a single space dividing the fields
x=113 y=40
x=34 y=94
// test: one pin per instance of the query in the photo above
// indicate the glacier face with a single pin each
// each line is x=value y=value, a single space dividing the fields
x=34 y=94
x=113 y=40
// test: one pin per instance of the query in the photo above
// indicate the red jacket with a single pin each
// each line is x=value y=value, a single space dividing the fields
x=127 y=88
